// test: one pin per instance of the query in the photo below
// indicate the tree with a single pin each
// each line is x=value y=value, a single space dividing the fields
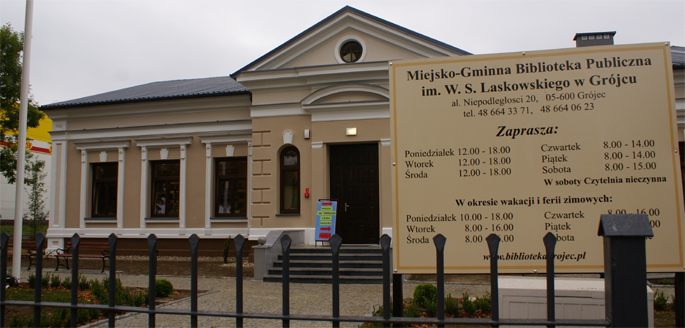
x=36 y=189
x=11 y=47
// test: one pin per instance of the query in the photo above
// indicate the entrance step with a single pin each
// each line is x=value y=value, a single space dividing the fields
x=310 y=264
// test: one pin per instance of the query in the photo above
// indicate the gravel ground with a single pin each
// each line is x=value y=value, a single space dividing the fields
x=261 y=297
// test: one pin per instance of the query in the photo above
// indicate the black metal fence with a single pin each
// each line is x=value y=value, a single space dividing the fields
x=619 y=313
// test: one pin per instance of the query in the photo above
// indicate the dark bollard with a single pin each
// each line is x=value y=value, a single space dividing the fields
x=625 y=268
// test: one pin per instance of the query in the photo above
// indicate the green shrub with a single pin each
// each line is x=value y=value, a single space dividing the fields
x=431 y=309
x=468 y=305
x=660 y=301
x=412 y=311
x=32 y=280
x=21 y=321
x=425 y=294
x=45 y=281
x=484 y=304
x=55 y=281
x=163 y=288
x=66 y=283
x=82 y=282
x=452 y=306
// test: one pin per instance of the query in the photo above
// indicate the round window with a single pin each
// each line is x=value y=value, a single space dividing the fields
x=351 y=51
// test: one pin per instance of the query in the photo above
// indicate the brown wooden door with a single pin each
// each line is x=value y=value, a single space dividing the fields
x=354 y=182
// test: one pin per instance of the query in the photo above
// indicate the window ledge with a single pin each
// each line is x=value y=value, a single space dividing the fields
x=162 y=220
x=288 y=214
x=101 y=220
x=227 y=219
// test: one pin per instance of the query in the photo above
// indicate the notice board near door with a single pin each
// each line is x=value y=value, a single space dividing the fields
x=326 y=210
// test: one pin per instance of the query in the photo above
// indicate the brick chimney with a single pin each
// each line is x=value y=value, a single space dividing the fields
x=594 y=39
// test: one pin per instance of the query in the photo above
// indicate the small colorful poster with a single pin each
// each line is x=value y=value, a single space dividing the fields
x=325 y=219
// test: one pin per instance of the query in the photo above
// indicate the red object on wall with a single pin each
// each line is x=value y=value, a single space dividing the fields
x=306 y=192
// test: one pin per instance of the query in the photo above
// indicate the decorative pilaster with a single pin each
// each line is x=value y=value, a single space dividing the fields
x=143 y=188
x=120 y=189
x=84 y=187
x=182 y=186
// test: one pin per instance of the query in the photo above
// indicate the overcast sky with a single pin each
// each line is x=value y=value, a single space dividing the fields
x=82 y=48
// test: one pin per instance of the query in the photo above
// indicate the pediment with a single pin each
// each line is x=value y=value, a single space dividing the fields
x=381 y=40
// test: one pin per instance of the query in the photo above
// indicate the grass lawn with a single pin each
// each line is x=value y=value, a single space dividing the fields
x=26 y=229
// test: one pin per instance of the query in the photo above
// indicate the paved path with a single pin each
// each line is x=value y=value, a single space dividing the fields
x=261 y=297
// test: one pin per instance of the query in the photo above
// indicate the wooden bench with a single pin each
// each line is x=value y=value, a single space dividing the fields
x=28 y=246
x=65 y=253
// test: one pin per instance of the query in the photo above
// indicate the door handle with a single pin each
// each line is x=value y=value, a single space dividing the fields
x=346 y=206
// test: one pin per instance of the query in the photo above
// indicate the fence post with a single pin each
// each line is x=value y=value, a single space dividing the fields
x=493 y=245
x=625 y=268
x=4 y=241
x=239 y=241
x=439 y=241
x=194 y=241
x=385 y=245
x=397 y=296
x=75 y=243
x=152 y=272
x=285 y=245
x=40 y=241
x=112 y=276
x=550 y=242
x=679 y=301
x=335 y=241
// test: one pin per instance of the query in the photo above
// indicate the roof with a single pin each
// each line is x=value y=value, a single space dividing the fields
x=678 y=57
x=164 y=90
x=344 y=10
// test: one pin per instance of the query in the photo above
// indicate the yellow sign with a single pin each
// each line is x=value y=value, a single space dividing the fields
x=523 y=144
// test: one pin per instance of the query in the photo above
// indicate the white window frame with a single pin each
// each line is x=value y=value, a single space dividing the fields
x=103 y=147
x=223 y=143
x=163 y=144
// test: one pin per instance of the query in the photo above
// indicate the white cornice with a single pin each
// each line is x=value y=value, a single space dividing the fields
x=163 y=142
x=289 y=109
x=151 y=107
x=327 y=91
x=102 y=145
x=153 y=130
x=226 y=139
x=363 y=110
x=372 y=72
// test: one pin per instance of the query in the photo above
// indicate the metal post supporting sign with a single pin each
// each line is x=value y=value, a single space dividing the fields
x=326 y=210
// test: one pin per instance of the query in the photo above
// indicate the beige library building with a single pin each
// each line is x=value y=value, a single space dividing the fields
x=250 y=153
